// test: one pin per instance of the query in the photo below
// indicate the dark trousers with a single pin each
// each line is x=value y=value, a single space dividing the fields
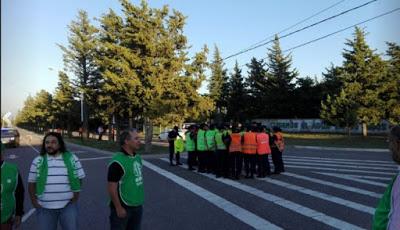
x=250 y=164
x=210 y=164
x=178 y=158
x=171 y=151
x=132 y=221
x=202 y=155
x=191 y=159
x=277 y=160
x=263 y=167
x=225 y=163
x=220 y=162
x=236 y=163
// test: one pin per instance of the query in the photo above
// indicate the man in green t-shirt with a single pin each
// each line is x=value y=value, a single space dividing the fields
x=12 y=194
x=125 y=183
x=387 y=213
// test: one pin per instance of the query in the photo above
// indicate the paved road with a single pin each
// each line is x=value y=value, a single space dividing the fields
x=320 y=190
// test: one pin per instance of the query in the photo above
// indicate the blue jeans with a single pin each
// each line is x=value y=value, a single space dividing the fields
x=67 y=216
x=132 y=221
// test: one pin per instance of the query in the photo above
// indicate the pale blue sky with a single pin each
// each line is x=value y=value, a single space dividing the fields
x=30 y=30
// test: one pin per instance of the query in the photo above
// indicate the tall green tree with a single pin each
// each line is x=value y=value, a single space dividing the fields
x=307 y=92
x=237 y=96
x=65 y=107
x=150 y=68
x=217 y=85
x=281 y=82
x=339 y=111
x=79 y=58
x=389 y=93
x=331 y=83
x=37 y=112
x=257 y=89
x=362 y=76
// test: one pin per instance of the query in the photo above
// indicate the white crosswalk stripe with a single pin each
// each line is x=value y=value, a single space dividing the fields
x=236 y=211
x=324 y=196
x=339 y=170
x=337 y=165
x=347 y=177
x=335 y=185
x=370 y=177
x=339 y=159
x=305 y=211
x=389 y=166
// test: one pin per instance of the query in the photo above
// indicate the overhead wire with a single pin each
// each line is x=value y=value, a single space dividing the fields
x=301 y=29
x=335 y=32
x=298 y=23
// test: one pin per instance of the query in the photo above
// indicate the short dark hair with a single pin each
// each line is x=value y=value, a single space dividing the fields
x=59 y=139
x=125 y=135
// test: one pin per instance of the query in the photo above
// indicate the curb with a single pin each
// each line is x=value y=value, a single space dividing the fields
x=340 y=149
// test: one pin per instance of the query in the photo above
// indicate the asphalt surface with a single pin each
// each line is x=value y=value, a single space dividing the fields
x=321 y=189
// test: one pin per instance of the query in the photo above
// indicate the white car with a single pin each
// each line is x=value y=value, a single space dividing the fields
x=164 y=135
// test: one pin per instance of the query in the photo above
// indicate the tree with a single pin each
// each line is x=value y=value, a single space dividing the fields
x=217 y=85
x=280 y=82
x=389 y=93
x=308 y=92
x=237 y=95
x=257 y=88
x=79 y=58
x=66 y=108
x=362 y=76
x=339 y=111
x=149 y=67
x=331 y=83
x=37 y=112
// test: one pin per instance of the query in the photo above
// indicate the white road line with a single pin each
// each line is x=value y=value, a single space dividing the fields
x=344 y=159
x=347 y=177
x=341 y=149
x=302 y=210
x=229 y=207
x=369 y=177
x=337 y=165
x=335 y=185
x=34 y=148
x=79 y=151
x=341 y=170
x=94 y=158
x=324 y=196
x=27 y=215
x=343 y=162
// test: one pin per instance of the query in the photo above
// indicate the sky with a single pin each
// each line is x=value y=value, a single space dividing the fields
x=31 y=30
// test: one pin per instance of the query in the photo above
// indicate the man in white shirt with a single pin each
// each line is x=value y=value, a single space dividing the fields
x=54 y=183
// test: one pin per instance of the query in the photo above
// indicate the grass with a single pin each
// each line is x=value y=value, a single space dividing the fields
x=336 y=140
x=113 y=146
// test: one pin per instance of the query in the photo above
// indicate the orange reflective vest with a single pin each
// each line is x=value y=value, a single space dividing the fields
x=249 y=143
x=279 y=141
x=263 y=144
x=236 y=143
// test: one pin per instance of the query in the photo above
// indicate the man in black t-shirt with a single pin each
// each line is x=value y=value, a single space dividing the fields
x=125 y=184
x=172 y=135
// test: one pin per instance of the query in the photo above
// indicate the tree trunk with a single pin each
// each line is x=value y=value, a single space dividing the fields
x=69 y=131
x=84 y=117
x=148 y=134
x=364 y=129
x=348 y=130
x=130 y=119
x=110 y=129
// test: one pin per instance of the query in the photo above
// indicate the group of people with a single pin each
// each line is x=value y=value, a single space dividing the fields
x=225 y=151
x=55 y=181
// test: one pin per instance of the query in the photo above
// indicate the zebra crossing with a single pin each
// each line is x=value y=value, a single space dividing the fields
x=334 y=193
